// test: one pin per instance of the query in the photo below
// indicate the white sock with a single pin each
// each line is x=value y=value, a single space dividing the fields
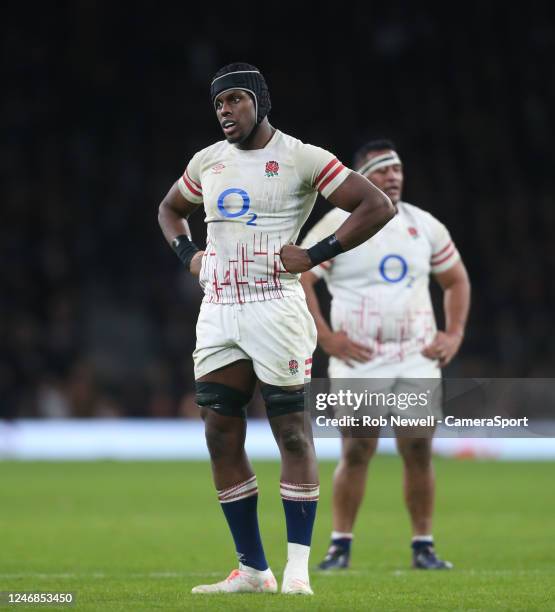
x=341 y=535
x=423 y=538
x=260 y=573
x=297 y=560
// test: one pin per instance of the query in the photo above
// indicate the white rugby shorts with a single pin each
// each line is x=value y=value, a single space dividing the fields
x=278 y=336
x=415 y=374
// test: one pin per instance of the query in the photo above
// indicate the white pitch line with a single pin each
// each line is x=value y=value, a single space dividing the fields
x=481 y=572
x=344 y=573
x=115 y=575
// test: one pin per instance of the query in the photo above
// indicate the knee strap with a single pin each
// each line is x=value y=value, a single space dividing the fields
x=278 y=401
x=222 y=399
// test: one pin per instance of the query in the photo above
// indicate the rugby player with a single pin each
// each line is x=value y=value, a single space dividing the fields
x=257 y=187
x=383 y=327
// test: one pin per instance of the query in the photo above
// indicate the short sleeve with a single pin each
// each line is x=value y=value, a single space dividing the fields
x=190 y=184
x=321 y=170
x=444 y=251
x=323 y=228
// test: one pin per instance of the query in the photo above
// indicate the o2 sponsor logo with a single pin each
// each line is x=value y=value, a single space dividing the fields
x=244 y=210
x=393 y=268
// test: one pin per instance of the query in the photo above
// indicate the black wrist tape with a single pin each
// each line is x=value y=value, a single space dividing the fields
x=324 y=250
x=185 y=249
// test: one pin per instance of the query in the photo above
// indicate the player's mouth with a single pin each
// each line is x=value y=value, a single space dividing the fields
x=228 y=126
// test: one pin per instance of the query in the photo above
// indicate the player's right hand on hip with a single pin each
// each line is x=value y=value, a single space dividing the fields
x=196 y=263
x=295 y=259
x=338 y=344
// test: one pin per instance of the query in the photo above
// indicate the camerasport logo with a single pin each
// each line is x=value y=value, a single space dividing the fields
x=272 y=168
x=293 y=367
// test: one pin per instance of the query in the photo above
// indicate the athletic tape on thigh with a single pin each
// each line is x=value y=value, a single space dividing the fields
x=278 y=401
x=221 y=398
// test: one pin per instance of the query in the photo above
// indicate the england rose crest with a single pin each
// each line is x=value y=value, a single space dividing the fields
x=293 y=367
x=272 y=168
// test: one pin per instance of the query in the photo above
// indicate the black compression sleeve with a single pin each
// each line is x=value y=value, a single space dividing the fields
x=324 y=250
x=185 y=249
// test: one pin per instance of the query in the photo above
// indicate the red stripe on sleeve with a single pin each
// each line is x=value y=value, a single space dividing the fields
x=190 y=187
x=192 y=181
x=322 y=174
x=443 y=259
x=331 y=177
x=436 y=255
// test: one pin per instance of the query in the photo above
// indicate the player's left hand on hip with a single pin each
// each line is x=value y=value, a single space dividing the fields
x=443 y=347
x=196 y=263
x=295 y=259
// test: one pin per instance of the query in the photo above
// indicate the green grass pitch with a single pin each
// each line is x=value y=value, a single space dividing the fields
x=138 y=536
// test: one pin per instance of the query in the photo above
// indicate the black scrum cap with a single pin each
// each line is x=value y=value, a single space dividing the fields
x=247 y=78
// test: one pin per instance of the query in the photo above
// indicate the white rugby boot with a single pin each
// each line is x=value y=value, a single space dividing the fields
x=242 y=580
x=295 y=582
x=295 y=576
x=296 y=586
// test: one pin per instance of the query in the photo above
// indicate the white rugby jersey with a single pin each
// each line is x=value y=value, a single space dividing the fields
x=256 y=202
x=380 y=289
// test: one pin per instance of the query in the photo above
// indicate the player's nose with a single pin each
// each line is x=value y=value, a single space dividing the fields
x=225 y=109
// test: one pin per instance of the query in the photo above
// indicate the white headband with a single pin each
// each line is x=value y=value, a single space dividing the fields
x=380 y=161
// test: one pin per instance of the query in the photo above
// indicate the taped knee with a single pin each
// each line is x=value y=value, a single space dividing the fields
x=222 y=399
x=278 y=401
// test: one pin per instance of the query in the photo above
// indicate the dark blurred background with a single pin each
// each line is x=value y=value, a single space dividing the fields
x=103 y=105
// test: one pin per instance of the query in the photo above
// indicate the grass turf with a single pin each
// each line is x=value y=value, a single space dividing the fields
x=138 y=536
